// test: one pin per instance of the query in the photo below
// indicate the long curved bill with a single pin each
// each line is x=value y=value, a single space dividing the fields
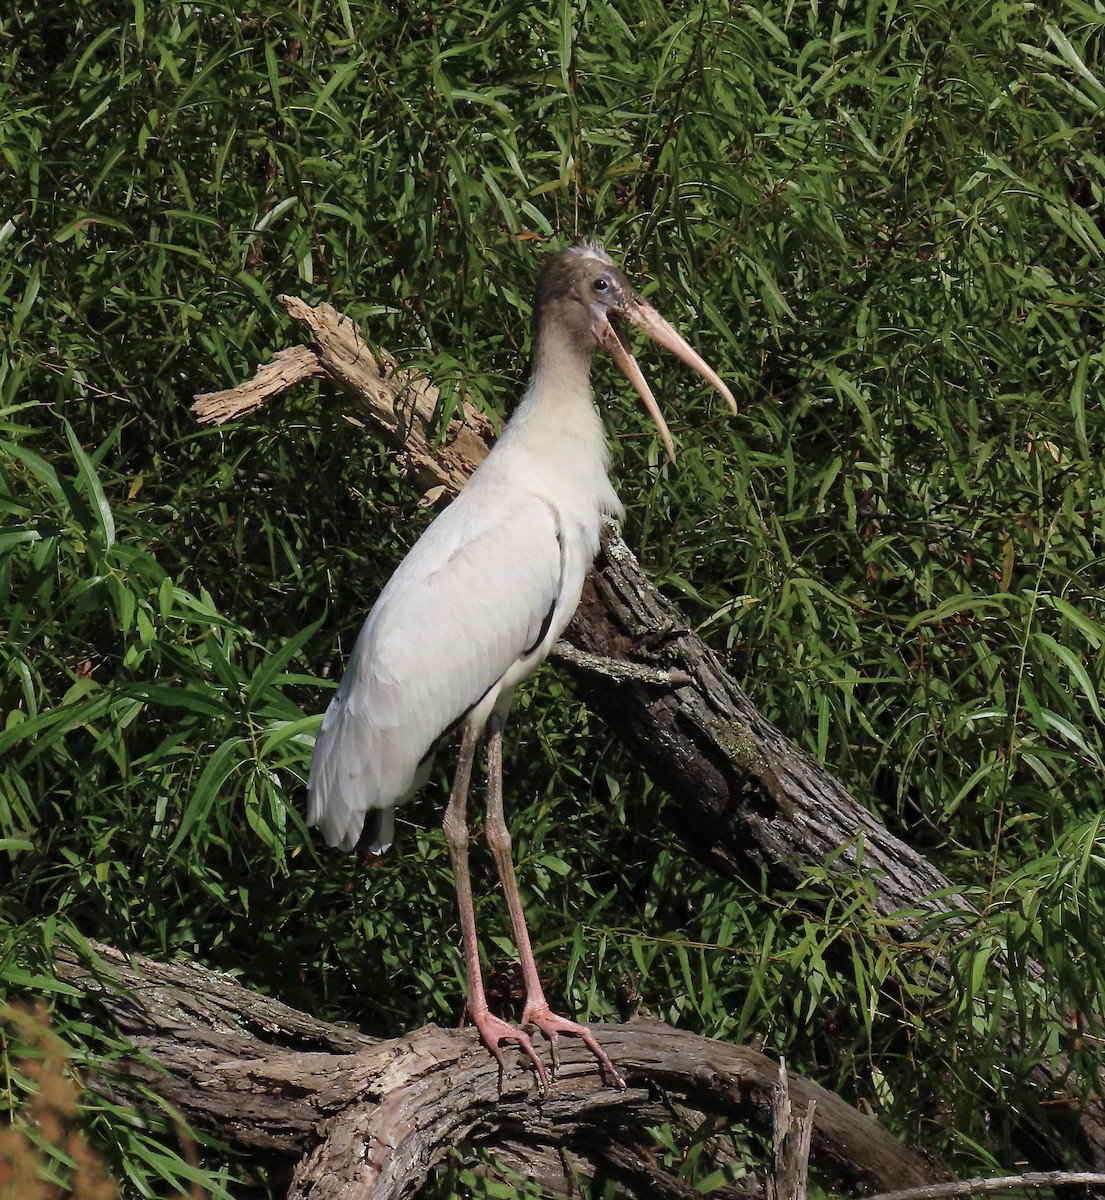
x=645 y=317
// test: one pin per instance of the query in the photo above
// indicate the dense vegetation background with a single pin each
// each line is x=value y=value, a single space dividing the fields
x=881 y=222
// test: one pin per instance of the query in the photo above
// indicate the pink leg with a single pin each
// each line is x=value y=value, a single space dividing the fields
x=492 y=1030
x=536 y=1011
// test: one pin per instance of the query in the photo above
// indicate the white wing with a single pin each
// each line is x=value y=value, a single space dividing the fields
x=471 y=599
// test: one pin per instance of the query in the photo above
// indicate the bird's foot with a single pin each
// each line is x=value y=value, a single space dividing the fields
x=494 y=1031
x=552 y=1026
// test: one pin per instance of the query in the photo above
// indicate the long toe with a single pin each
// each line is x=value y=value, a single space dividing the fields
x=493 y=1032
x=552 y=1025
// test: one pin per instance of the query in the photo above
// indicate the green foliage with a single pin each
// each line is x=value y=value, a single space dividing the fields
x=882 y=223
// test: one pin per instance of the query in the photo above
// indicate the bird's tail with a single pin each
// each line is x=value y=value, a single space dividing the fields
x=379 y=830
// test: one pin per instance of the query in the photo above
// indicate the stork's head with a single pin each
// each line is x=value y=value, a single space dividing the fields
x=582 y=291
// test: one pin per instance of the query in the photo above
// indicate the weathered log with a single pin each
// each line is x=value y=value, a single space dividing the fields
x=743 y=797
x=368 y=1119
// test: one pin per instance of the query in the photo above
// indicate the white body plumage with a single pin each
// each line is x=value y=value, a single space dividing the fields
x=472 y=610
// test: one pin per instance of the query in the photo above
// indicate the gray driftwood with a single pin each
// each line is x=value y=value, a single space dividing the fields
x=743 y=797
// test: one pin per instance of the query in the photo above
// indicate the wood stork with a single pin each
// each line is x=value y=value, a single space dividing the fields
x=476 y=606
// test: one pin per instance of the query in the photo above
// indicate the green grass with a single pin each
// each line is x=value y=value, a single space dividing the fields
x=882 y=224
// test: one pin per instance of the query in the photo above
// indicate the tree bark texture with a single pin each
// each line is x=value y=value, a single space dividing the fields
x=791 y=1136
x=743 y=797
x=368 y=1119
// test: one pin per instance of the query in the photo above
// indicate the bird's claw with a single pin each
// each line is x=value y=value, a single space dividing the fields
x=493 y=1032
x=552 y=1026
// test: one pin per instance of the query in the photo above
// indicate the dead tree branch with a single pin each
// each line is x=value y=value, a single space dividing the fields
x=984 y=1186
x=792 y=1134
x=367 y=1119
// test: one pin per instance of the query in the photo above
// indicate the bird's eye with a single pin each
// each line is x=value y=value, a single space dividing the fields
x=601 y=284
